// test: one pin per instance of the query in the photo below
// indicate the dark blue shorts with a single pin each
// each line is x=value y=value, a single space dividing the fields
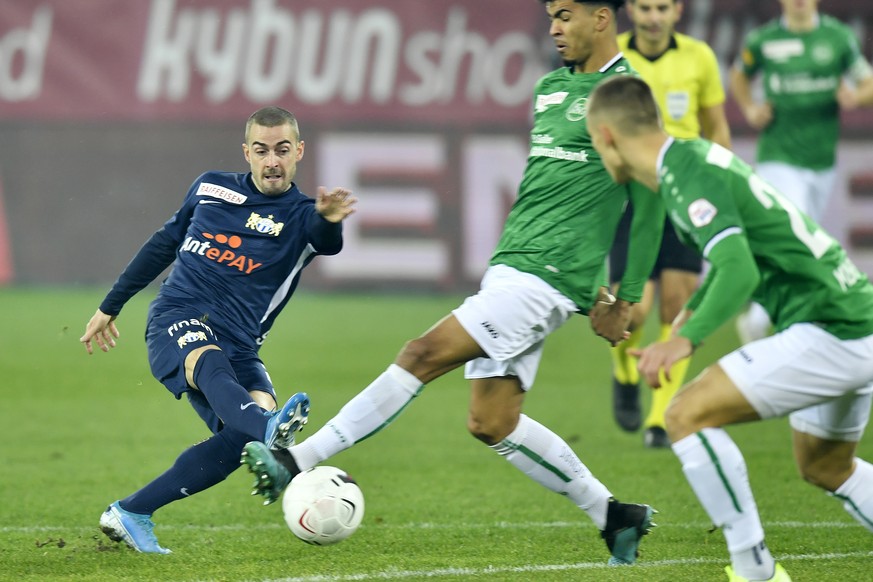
x=173 y=332
x=673 y=254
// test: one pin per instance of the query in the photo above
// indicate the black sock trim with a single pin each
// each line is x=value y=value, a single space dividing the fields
x=285 y=457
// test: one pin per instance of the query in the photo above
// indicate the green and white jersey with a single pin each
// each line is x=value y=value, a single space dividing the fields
x=717 y=203
x=564 y=219
x=801 y=74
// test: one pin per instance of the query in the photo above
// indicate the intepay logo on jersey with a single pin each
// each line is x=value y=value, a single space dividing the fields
x=226 y=256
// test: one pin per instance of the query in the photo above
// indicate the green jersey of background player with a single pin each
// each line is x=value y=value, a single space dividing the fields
x=802 y=66
x=548 y=265
x=804 y=60
x=817 y=367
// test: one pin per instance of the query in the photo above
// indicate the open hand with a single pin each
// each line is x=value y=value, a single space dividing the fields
x=660 y=357
x=759 y=115
x=334 y=205
x=102 y=330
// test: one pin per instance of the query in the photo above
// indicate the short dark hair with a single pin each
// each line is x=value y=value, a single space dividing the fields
x=628 y=102
x=272 y=116
x=614 y=4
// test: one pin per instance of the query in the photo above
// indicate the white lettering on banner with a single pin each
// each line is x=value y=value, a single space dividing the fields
x=438 y=79
x=274 y=29
x=371 y=257
x=28 y=48
x=381 y=26
x=268 y=51
x=216 y=54
x=165 y=66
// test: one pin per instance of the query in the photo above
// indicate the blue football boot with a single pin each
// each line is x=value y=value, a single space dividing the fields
x=134 y=529
x=283 y=424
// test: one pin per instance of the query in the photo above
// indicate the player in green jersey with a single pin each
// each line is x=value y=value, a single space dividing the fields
x=684 y=77
x=817 y=367
x=548 y=265
x=802 y=59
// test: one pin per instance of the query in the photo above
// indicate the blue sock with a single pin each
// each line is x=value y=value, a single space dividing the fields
x=201 y=406
x=205 y=464
x=215 y=378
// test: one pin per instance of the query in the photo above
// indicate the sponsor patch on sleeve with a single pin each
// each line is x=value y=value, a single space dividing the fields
x=701 y=212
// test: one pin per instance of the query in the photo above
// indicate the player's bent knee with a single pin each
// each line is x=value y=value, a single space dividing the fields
x=191 y=362
x=489 y=431
x=420 y=358
x=681 y=420
x=826 y=473
x=414 y=351
x=673 y=423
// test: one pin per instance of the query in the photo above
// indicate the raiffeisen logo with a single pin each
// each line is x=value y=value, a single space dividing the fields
x=224 y=252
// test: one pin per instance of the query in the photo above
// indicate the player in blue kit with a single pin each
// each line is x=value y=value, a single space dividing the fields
x=238 y=245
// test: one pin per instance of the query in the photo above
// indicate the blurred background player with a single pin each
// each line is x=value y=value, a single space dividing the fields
x=684 y=76
x=811 y=67
x=817 y=368
x=548 y=266
x=238 y=245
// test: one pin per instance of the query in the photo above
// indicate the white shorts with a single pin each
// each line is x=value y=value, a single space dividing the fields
x=509 y=318
x=809 y=190
x=825 y=383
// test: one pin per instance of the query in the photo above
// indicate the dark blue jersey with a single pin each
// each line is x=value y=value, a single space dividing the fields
x=238 y=254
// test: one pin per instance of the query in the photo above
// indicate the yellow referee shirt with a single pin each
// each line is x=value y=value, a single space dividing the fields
x=684 y=79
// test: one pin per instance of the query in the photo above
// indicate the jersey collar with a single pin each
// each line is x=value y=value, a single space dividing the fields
x=632 y=45
x=816 y=22
x=661 y=155
x=612 y=62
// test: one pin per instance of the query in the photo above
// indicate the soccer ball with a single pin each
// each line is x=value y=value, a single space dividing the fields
x=323 y=505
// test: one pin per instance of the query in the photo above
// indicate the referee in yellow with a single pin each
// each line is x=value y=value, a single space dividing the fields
x=684 y=76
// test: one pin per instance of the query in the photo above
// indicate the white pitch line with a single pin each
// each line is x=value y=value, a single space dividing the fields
x=436 y=526
x=491 y=570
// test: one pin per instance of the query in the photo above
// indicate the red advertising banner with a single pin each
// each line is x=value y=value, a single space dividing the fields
x=347 y=61
x=342 y=61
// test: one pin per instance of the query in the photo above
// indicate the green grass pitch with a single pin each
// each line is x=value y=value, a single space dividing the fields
x=79 y=432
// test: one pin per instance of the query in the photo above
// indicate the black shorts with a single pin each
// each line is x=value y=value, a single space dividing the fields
x=673 y=254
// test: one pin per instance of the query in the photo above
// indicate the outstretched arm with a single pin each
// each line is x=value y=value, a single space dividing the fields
x=732 y=279
x=102 y=330
x=647 y=228
x=151 y=260
x=610 y=319
x=758 y=115
x=861 y=95
x=714 y=125
x=325 y=224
